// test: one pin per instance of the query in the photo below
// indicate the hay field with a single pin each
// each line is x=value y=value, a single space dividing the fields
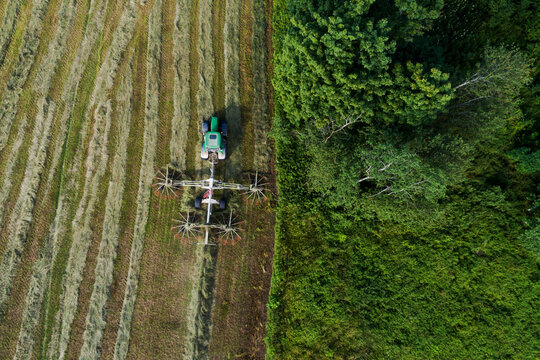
x=95 y=97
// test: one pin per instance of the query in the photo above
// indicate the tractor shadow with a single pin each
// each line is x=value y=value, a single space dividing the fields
x=233 y=115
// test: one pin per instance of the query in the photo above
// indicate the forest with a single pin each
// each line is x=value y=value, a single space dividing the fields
x=407 y=136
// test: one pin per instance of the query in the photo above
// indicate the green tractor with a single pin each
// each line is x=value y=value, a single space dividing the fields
x=214 y=137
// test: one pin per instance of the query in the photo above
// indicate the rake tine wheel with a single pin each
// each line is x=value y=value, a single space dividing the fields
x=229 y=231
x=256 y=189
x=164 y=184
x=186 y=228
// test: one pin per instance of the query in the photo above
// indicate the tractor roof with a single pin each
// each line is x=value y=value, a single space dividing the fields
x=213 y=140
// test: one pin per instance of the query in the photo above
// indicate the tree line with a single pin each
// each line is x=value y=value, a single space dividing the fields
x=407 y=136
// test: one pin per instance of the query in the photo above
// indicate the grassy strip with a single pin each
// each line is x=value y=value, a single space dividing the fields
x=26 y=58
x=22 y=215
x=182 y=111
x=96 y=316
x=8 y=25
x=145 y=179
x=27 y=108
x=166 y=91
x=3 y=5
x=122 y=35
x=233 y=112
x=246 y=84
x=261 y=119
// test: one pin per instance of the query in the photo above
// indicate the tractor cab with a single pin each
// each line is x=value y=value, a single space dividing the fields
x=214 y=139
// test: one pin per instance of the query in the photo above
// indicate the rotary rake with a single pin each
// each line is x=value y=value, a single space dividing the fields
x=168 y=184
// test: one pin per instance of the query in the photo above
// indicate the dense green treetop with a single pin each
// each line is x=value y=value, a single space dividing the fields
x=408 y=137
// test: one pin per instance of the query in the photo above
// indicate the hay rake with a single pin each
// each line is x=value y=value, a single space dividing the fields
x=168 y=183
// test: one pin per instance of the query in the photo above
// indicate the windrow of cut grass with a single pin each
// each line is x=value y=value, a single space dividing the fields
x=27 y=55
x=232 y=86
x=129 y=206
x=26 y=106
x=57 y=47
x=22 y=213
x=67 y=184
x=96 y=316
x=66 y=276
x=182 y=110
x=205 y=101
x=261 y=119
x=96 y=165
x=145 y=178
x=8 y=25
x=7 y=183
x=202 y=301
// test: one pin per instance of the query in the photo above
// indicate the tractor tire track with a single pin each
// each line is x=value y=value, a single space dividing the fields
x=145 y=179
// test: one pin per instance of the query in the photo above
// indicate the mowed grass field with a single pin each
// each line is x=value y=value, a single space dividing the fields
x=95 y=97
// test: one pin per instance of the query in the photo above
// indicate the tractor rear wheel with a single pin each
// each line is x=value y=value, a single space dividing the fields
x=224 y=129
x=198 y=202
x=204 y=127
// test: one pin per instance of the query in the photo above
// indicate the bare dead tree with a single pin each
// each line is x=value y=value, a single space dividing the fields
x=332 y=128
